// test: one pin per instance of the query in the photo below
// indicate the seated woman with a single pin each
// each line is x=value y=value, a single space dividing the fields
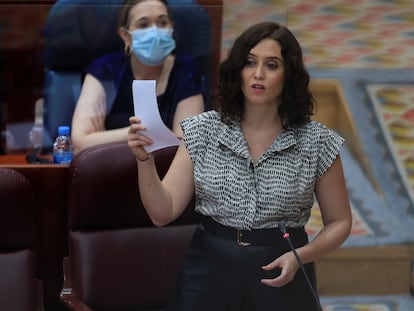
x=105 y=103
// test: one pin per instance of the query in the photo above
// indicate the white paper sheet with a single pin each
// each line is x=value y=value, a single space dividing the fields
x=146 y=108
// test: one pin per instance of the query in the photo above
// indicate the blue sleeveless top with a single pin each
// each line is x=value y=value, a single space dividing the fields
x=115 y=73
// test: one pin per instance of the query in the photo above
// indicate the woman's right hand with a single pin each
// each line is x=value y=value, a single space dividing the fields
x=137 y=141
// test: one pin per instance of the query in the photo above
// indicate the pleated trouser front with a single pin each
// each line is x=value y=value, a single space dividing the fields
x=219 y=275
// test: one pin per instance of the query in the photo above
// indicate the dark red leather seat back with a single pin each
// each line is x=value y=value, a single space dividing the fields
x=103 y=191
x=18 y=285
x=119 y=260
x=127 y=269
x=16 y=207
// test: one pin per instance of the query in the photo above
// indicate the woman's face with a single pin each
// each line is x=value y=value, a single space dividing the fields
x=263 y=74
x=149 y=13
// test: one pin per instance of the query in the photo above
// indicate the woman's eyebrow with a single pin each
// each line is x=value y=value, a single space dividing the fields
x=276 y=58
x=268 y=57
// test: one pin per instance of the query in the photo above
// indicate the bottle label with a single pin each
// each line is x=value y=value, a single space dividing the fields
x=62 y=157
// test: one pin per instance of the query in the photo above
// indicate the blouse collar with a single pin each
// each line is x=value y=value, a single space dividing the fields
x=232 y=137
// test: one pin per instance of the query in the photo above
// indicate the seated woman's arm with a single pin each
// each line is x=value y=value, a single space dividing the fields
x=88 y=123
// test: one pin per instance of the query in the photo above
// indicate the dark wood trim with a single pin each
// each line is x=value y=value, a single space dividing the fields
x=26 y=2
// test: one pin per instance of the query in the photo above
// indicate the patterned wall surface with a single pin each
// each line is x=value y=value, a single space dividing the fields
x=335 y=33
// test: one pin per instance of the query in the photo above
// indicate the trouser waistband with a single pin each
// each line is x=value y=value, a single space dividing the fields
x=259 y=237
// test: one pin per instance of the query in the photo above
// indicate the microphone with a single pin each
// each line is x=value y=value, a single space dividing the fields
x=286 y=236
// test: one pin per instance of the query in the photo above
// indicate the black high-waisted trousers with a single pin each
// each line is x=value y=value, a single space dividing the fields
x=218 y=274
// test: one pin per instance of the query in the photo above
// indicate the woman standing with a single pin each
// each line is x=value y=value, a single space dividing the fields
x=256 y=166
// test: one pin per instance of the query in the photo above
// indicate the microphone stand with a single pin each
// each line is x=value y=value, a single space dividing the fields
x=286 y=236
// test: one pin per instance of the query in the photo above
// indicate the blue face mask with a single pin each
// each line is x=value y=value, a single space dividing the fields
x=152 y=45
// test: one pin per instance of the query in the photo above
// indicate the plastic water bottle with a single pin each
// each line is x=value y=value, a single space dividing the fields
x=63 y=147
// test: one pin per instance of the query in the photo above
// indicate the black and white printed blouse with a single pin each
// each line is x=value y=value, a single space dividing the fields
x=238 y=193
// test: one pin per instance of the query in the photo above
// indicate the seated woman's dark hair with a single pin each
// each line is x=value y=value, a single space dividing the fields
x=296 y=104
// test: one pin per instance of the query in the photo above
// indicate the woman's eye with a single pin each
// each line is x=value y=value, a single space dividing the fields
x=250 y=63
x=162 y=25
x=164 y=22
x=143 y=25
x=272 y=66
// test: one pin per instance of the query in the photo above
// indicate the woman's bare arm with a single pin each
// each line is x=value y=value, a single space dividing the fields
x=333 y=201
x=88 y=123
x=163 y=200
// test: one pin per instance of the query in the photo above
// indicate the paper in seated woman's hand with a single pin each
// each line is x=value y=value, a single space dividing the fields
x=137 y=140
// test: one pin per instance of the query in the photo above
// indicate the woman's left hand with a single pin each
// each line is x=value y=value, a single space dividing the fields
x=288 y=265
x=137 y=140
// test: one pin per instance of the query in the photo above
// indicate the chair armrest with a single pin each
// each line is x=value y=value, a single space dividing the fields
x=67 y=296
x=71 y=302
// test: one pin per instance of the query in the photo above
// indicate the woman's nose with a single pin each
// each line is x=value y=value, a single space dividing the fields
x=258 y=74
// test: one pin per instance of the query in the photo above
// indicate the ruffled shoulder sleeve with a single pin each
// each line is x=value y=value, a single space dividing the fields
x=198 y=131
x=330 y=144
x=320 y=145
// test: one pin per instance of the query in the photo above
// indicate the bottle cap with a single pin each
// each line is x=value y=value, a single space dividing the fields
x=63 y=130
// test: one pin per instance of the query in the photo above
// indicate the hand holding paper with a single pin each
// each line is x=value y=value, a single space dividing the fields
x=146 y=108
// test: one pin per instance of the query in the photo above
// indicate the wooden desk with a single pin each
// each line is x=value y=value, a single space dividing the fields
x=7 y=160
x=49 y=184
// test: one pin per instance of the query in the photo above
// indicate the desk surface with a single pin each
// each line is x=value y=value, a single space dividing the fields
x=12 y=159
x=20 y=160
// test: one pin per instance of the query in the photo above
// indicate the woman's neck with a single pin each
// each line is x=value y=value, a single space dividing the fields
x=159 y=73
x=260 y=128
x=260 y=118
x=141 y=71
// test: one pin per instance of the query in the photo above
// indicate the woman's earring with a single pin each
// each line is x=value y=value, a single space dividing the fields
x=127 y=50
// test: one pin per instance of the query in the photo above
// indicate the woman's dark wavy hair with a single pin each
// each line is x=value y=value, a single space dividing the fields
x=296 y=104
